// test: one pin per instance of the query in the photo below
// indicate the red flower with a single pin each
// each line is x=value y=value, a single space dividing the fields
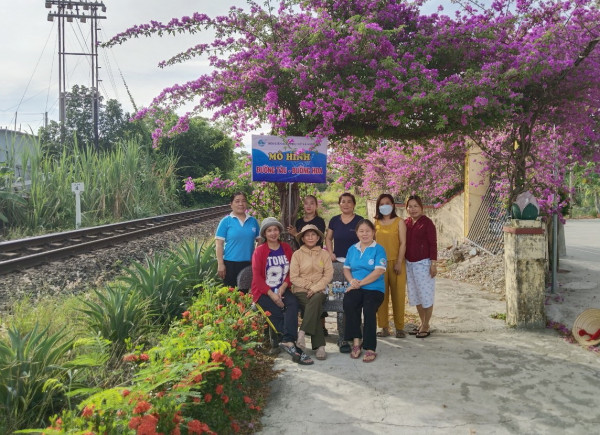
x=198 y=378
x=144 y=357
x=225 y=398
x=247 y=399
x=198 y=427
x=216 y=356
x=196 y=400
x=88 y=411
x=245 y=338
x=148 y=425
x=207 y=397
x=125 y=393
x=134 y=422
x=235 y=426
x=251 y=352
x=130 y=357
x=186 y=314
x=228 y=362
x=231 y=289
x=141 y=407
x=219 y=389
x=236 y=373
x=268 y=313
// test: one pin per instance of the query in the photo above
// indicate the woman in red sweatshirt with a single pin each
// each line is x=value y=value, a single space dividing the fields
x=271 y=287
x=421 y=259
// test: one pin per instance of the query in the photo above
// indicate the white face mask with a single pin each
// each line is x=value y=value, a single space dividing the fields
x=385 y=209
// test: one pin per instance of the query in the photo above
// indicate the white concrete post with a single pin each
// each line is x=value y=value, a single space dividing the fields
x=525 y=265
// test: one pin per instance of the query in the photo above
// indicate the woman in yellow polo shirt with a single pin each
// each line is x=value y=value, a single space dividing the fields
x=390 y=232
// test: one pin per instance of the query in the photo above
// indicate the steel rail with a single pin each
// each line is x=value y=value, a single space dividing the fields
x=17 y=254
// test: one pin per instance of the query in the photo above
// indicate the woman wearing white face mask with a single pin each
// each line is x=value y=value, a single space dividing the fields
x=391 y=234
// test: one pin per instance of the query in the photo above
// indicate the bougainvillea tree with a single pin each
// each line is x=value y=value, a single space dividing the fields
x=520 y=78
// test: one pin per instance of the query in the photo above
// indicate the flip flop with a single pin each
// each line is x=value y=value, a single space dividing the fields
x=400 y=333
x=369 y=356
x=423 y=334
x=414 y=331
x=383 y=333
x=356 y=351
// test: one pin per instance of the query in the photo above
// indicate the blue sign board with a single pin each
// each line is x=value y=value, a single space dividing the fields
x=289 y=159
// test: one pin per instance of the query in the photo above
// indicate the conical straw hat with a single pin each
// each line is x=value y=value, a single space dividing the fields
x=586 y=328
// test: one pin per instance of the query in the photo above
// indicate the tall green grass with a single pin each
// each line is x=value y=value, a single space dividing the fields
x=127 y=183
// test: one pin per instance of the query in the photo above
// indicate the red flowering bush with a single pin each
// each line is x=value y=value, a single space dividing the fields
x=195 y=381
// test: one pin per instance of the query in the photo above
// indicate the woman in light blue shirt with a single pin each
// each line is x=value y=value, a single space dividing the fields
x=235 y=239
x=364 y=268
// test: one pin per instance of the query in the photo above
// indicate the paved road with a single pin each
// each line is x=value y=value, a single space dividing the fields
x=579 y=280
x=473 y=375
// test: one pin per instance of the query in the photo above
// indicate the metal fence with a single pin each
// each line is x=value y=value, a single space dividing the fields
x=486 y=231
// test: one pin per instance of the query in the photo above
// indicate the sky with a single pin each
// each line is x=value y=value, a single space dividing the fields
x=29 y=55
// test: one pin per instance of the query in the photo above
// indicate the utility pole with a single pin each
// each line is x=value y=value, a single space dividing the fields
x=83 y=10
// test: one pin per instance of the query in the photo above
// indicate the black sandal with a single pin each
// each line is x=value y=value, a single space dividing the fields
x=305 y=360
x=414 y=331
x=292 y=351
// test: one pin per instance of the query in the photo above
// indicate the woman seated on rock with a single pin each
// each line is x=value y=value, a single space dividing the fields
x=310 y=272
x=364 y=267
x=270 y=283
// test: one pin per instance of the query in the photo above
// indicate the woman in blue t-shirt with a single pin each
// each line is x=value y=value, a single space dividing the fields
x=364 y=268
x=341 y=231
x=235 y=238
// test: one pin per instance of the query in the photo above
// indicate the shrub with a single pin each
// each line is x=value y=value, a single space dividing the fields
x=195 y=381
x=197 y=262
x=158 y=281
x=30 y=362
x=119 y=315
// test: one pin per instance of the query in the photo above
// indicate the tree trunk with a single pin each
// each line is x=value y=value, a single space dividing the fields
x=288 y=214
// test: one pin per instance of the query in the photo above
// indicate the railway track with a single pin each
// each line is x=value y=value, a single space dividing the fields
x=24 y=253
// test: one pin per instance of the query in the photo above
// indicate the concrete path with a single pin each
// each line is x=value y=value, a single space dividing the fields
x=473 y=375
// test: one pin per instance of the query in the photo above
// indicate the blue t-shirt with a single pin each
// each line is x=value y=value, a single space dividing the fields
x=239 y=237
x=277 y=268
x=363 y=263
x=344 y=235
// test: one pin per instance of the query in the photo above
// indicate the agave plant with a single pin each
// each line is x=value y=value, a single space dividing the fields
x=118 y=315
x=29 y=361
x=158 y=280
x=197 y=262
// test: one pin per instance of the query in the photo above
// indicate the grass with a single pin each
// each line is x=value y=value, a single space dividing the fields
x=54 y=312
x=126 y=183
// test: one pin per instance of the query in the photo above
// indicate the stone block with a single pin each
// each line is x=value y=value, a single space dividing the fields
x=526 y=262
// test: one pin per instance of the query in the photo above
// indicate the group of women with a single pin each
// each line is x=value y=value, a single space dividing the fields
x=380 y=261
